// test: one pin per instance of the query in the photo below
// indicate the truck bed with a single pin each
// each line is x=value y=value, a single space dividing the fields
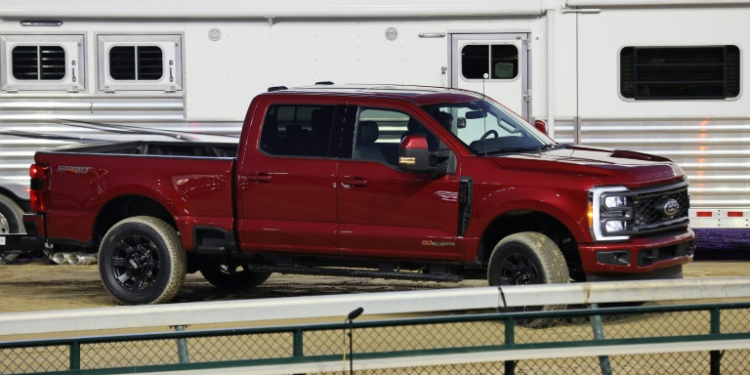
x=197 y=149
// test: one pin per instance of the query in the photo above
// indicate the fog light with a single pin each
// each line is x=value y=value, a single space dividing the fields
x=614 y=226
x=612 y=202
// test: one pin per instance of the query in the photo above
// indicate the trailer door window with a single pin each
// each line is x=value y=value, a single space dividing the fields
x=136 y=63
x=42 y=62
x=499 y=61
x=680 y=72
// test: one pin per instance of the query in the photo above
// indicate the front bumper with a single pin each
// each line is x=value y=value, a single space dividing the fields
x=638 y=256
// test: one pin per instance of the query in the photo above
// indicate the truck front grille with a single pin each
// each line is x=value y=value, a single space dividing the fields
x=649 y=208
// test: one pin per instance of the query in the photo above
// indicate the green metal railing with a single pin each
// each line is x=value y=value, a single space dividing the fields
x=508 y=336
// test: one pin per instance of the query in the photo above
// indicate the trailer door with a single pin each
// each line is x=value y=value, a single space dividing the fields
x=503 y=57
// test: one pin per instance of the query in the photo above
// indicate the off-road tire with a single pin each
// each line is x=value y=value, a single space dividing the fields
x=225 y=276
x=153 y=243
x=536 y=259
x=13 y=215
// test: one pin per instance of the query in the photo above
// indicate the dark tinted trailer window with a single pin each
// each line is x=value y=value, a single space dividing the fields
x=297 y=130
x=498 y=61
x=142 y=63
x=38 y=63
x=680 y=72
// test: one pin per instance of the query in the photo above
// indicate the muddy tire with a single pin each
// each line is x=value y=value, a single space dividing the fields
x=11 y=216
x=528 y=258
x=228 y=276
x=141 y=261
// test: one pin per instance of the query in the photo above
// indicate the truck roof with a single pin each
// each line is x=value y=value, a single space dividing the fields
x=420 y=95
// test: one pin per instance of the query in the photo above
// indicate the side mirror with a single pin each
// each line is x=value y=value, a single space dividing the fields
x=414 y=154
x=541 y=126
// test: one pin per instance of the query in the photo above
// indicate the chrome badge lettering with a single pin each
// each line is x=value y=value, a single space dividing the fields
x=435 y=243
x=76 y=170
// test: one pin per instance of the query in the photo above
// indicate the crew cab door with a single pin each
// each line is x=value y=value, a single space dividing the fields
x=503 y=57
x=286 y=180
x=384 y=211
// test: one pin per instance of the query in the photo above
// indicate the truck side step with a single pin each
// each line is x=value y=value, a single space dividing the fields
x=355 y=273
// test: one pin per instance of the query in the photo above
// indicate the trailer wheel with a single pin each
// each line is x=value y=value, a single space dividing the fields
x=141 y=261
x=11 y=216
x=226 y=275
x=528 y=258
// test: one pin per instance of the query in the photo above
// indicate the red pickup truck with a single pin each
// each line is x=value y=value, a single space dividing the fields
x=399 y=182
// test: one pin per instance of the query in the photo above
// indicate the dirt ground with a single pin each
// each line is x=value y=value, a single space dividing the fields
x=33 y=287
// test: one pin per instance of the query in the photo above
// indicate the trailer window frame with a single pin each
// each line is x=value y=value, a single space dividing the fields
x=74 y=62
x=170 y=44
x=669 y=63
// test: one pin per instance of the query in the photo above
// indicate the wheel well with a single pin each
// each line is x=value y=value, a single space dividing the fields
x=125 y=207
x=523 y=221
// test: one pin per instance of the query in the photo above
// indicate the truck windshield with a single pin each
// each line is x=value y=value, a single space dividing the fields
x=487 y=128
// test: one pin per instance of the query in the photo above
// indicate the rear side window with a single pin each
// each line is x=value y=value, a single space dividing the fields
x=664 y=73
x=498 y=61
x=297 y=130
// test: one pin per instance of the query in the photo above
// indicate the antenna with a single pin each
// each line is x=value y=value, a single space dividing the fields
x=484 y=78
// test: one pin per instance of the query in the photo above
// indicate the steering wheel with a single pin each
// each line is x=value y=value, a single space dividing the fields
x=485 y=135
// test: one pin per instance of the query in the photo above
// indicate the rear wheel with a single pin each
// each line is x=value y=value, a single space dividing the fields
x=141 y=261
x=227 y=275
x=528 y=258
x=11 y=216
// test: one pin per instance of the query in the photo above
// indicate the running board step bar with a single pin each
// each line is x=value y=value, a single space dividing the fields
x=354 y=273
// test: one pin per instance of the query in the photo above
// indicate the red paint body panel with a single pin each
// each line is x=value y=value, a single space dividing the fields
x=196 y=191
x=395 y=212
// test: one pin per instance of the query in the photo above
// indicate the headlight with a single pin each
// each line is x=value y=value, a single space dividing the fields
x=610 y=213
x=615 y=201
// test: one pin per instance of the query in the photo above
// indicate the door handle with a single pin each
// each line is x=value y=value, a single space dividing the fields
x=356 y=181
x=260 y=177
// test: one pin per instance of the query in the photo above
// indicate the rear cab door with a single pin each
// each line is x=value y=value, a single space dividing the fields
x=286 y=178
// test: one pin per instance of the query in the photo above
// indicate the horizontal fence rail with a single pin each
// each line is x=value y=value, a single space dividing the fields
x=631 y=340
x=373 y=303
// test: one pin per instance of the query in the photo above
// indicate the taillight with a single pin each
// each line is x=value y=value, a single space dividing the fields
x=38 y=174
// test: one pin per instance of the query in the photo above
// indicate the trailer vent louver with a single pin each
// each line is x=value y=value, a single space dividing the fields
x=136 y=63
x=39 y=63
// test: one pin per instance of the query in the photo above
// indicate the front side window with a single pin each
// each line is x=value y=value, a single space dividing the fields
x=378 y=133
x=498 y=61
x=298 y=130
x=486 y=128
x=40 y=62
x=680 y=72
x=136 y=63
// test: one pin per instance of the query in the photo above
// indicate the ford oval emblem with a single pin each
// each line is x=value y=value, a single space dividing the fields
x=671 y=207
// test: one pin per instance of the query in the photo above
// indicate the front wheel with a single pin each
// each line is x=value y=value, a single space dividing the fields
x=141 y=261
x=527 y=258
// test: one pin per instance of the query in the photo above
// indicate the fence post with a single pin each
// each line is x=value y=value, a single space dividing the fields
x=510 y=326
x=596 y=325
x=298 y=345
x=75 y=355
x=182 y=348
x=715 y=330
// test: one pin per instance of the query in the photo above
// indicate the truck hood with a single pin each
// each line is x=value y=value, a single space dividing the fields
x=609 y=167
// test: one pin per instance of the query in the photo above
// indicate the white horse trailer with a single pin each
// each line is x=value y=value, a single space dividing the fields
x=659 y=76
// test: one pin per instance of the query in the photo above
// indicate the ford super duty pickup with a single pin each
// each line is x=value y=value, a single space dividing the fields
x=373 y=181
